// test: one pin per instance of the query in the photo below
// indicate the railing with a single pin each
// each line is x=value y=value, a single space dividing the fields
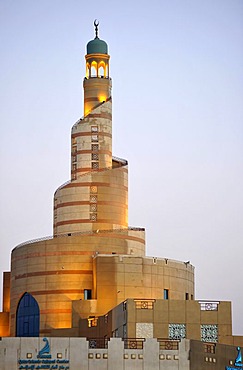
x=208 y=305
x=133 y=343
x=98 y=342
x=168 y=344
x=123 y=162
x=95 y=232
x=81 y=119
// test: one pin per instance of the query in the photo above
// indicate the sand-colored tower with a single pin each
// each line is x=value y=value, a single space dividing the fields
x=94 y=260
x=96 y=197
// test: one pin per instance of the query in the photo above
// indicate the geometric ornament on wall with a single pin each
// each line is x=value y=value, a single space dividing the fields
x=177 y=331
x=209 y=333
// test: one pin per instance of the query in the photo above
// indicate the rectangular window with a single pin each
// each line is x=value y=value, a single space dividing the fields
x=177 y=331
x=93 y=198
x=187 y=296
x=94 y=138
x=93 y=216
x=166 y=293
x=95 y=156
x=95 y=165
x=94 y=147
x=145 y=304
x=93 y=207
x=94 y=128
x=209 y=333
x=87 y=294
x=92 y=321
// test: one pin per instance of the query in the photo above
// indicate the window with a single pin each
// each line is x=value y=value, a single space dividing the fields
x=87 y=294
x=95 y=156
x=209 y=348
x=92 y=321
x=147 y=304
x=94 y=147
x=187 y=296
x=93 y=207
x=95 y=165
x=101 y=71
x=177 y=331
x=209 y=333
x=166 y=293
x=93 y=216
x=94 y=128
x=94 y=138
x=93 y=198
x=28 y=317
x=94 y=69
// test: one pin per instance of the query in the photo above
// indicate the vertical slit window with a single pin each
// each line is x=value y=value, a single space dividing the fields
x=166 y=294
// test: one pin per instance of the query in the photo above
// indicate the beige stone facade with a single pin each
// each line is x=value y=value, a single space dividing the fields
x=206 y=321
x=147 y=354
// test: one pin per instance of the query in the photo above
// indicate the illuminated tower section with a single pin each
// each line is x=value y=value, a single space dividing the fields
x=97 y=83
x=96 y=198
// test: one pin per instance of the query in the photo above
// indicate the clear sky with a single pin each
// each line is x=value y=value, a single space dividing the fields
x=177 y=70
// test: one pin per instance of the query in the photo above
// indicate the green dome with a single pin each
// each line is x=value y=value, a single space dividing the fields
x=97 y=46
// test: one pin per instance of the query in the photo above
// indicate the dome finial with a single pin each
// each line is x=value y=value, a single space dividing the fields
x=96 y=24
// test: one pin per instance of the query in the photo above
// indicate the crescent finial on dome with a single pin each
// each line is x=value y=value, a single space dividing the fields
x=96 y=24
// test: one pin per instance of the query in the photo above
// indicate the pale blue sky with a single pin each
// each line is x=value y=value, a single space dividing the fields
x=177 y=70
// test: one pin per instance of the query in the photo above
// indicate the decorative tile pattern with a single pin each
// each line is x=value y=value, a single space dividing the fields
x=95 y=156
x=94 y=147
x=144 y=330
x=93 y=198
x=177 y=331
x=95 y=165
x=93 y=207
x=93 y=216
x=209 y=333
x=93 y=189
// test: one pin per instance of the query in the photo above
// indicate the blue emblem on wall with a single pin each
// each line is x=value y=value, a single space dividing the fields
x=45 y=351
x=238 y=361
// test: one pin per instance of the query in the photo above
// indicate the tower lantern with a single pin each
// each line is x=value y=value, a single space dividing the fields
x=97 y=83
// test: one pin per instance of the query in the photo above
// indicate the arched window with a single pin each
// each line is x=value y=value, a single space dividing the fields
x=94 y=69
x=27 y=317
x=101 y=71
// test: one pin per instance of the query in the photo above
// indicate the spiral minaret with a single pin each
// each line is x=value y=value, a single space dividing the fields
x=96 y=197
x=94 y=260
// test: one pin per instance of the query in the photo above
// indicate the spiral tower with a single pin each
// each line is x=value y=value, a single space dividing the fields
x=94 y=260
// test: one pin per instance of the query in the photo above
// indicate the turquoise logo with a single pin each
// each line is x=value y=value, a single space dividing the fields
x=44 y=360
x=45 y=351
x=238 y=362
